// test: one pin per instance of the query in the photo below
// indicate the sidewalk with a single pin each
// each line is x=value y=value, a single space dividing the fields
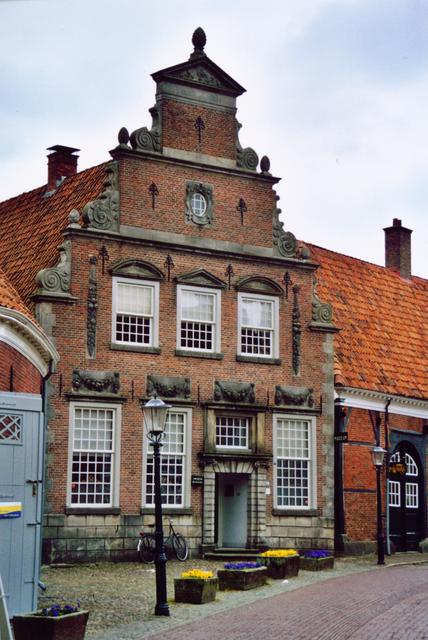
x=121 y=597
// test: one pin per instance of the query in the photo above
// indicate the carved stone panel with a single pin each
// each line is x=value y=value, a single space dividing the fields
x=103 y=213
x=294 y=396
x=95 y=382
x=234 y=392
x=169 y=387
x=199 y=203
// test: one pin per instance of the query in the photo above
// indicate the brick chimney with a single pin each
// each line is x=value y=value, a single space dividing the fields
x=61 y=164
x=398 y=255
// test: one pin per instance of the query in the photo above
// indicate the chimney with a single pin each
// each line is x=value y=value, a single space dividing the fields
x=61 y=164
x=398 y=254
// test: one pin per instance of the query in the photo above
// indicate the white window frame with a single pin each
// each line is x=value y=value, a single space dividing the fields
x=115 y=454
x=275 y=321
x=394 y=493
x=312 y=462
x=234 y=417
x=154 y=334
x=187 y=462
x=216 y=293
x=412 y=495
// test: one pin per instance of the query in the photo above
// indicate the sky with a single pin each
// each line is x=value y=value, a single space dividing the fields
x=337 y=96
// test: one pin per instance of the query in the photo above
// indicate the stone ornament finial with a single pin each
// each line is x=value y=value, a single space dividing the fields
x=199 y=40
x=73 y=219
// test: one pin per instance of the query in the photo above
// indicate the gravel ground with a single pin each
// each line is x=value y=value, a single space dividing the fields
x=121 y=597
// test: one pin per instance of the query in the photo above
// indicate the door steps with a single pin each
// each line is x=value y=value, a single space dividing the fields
x=232 y=553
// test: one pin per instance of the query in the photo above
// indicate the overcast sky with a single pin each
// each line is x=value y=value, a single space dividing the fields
x=337 y=97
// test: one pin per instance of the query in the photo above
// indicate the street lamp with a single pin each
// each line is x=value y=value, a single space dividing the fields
x=154 y=413
x=378 y=455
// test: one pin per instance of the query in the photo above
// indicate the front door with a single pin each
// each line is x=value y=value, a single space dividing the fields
x=406 y=498
x=232 y=509
x=20 y=498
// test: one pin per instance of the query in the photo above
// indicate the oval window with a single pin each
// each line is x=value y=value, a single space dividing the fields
x=198 y=204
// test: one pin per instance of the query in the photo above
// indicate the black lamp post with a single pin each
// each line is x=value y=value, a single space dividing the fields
x=378 y=455
x=154 y=412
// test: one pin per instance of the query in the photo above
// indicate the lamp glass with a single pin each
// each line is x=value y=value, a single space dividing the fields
x=378 y=455
x=154 y=412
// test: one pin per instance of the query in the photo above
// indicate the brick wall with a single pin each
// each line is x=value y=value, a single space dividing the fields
x=24 y=377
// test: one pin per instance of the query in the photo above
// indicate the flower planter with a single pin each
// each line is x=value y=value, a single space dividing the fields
x=241 y=579
x=316 y=564
x=32 y=626
x=281 y=567
x=195 y=590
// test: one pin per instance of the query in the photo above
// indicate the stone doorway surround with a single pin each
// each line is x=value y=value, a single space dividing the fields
x=256 y=523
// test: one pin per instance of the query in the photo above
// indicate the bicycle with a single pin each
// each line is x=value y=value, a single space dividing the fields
x=147 y=544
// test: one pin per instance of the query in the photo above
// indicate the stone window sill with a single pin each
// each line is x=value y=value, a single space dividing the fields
x=131 y=347
x=93 y=511
x=180 y=511
x=199 y=354
x=257 y=360
x=295 y=512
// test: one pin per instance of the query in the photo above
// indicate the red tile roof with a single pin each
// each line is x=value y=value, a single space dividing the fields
x=10 y=298
x=383 y=341
x=31 y=226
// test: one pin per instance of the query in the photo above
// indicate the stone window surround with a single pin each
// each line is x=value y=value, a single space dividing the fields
x=217 y=321
x=134 y=346
x=272 y=358
x=115 y=481
x=187 y=466
x=312 y=506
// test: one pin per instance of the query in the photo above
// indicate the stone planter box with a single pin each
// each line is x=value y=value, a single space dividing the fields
x=316 y=564
x=281 y=567
x=35 y=627
x=241 y=579
x=195 y=590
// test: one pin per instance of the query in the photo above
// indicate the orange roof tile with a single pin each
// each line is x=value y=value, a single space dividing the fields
x=10 y=298
x=383 y=340
x=31 y=225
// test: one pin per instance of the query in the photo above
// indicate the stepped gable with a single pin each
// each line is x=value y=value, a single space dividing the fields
x=32 y=222
x=383 y=338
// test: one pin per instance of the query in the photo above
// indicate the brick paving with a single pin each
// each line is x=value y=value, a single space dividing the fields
x=121 y=601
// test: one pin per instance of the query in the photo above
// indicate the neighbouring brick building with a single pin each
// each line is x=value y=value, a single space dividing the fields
x=381 y=383
x=27 y=358
x=175 y=275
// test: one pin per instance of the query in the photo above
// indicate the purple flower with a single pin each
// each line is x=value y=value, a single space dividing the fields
x=317 y=554
x=242 y=565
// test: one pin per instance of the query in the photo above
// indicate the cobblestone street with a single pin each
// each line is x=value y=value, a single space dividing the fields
x=121 y=599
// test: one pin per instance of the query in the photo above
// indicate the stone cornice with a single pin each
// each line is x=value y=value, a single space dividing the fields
x=376 y=401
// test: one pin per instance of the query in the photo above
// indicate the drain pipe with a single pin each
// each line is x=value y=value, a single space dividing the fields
x=388 y=541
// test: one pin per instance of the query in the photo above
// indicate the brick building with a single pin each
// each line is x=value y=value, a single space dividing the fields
x=381 y=384
x=176 y=276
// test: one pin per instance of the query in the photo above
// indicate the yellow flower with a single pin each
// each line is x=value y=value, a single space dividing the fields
x=279 y=553
x=197 y=573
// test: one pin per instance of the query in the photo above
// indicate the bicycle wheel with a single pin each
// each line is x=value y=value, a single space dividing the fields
x=146 y=548
x=180 y=547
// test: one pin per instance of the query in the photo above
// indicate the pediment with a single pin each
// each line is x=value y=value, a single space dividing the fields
x=201 y=278
x=136 y=269
x=259 y=284
x=201 y=72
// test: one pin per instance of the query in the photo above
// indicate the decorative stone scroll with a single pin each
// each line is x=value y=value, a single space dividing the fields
x=234 y=392
x=169 y=387
x=296 y=330
x=322 y=312
x=56 y=280
x=91 y=323
x=85 y=382
x=144 y=140
x=103 y=213
x=245 y=158
x=284 y=242
x=294 y=396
